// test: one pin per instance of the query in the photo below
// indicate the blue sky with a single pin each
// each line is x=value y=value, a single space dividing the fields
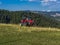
x=36 y=5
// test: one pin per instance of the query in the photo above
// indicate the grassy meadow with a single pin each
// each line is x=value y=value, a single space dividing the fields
x=12 y=34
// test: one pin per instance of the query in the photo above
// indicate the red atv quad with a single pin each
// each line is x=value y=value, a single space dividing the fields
x=27 y=21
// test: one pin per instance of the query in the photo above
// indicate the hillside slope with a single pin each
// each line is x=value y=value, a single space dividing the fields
x=19 y=28
x=40 y=19
x=12 y=34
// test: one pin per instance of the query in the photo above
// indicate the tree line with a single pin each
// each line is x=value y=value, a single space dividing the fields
x=16 y=16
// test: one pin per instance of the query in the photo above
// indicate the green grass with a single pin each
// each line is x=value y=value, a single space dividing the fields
x=9 y=35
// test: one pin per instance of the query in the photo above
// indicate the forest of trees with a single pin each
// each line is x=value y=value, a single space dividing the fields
x=16 y=16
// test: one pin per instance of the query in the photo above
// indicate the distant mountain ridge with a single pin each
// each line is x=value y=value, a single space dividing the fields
x=55 y=14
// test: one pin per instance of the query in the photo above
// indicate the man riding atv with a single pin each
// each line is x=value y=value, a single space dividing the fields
x=27 y=21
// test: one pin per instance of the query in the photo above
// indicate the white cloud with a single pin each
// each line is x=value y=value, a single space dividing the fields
x=40 y=0
x=48 y=10
x=44 y=2
x=54 y=6
x=47 y=2
x=53 y=0
x=33 y=0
